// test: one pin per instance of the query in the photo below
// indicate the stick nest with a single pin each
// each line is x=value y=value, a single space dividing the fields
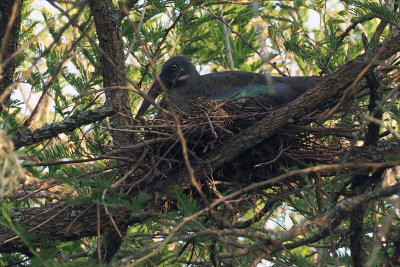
x=207 y=126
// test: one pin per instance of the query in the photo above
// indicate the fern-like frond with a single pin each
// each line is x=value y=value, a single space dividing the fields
x=366 y=7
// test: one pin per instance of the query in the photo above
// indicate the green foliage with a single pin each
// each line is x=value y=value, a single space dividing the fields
x=298 y=258
x=6 y=221
x=137 y=202
x=186 y=204
x=295 y=45
x=368 y=7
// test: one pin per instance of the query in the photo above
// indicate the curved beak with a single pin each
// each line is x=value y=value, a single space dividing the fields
x=153 y=93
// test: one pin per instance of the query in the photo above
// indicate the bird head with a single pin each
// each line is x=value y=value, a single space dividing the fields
x=175 y=72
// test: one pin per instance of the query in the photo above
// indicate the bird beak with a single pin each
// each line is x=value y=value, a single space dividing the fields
x=153 y=93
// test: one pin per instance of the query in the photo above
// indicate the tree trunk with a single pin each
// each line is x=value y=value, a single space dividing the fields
x=10 y=19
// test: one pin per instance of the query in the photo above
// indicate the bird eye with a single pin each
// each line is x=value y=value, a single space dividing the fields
x=173 y=67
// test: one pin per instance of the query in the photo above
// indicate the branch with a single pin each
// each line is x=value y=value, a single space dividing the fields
x=11 y=20
x=164 y=39
x=5 y=93
x=53 y=78
x=275 y=242
x=108 y=28
x=60 y=222
x=129 y=5
x=246 y=43
x=304 y=104
x=353 y=26
x=25 y=137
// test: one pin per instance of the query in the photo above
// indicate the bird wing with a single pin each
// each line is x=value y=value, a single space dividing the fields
x=283 y=90
x=267 y=95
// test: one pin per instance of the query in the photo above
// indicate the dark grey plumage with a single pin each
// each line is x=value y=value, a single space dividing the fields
x=184 y=84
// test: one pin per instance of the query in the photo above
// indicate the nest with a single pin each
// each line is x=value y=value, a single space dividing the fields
x=207 y=126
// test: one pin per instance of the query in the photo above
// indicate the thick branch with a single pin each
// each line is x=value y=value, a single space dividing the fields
x=78 y=118
x=306 y=103
x=63 y=223
x=276 y=242
x=10 y=19
x=108 y=27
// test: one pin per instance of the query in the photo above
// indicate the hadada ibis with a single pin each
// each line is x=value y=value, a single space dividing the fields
x=184 y=84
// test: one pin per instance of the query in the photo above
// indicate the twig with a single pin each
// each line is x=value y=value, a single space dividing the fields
x=217 y=2
x=68 y=55
x=163 y=40
x=227 y=43
x=61 y=162
x=273 y=242
x=36 y=59
x=5 y=37
x=131 y=171
x=243 y=38
x=371 y=119
x=346 y=204
x=98 y=234
x=174 y=116
x=382 y=233
x=94 y=42
x=273 y=160
x=110 y=216
x=139 y=29
x=366 y=69
x=211 y=126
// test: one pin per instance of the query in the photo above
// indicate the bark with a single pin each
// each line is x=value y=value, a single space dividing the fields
x=248 y=138
x=364 y=181
x=304 y=104
x=26 y=137
x=275 y=242
x=108 y=27
x=58 y=222
x=375 y=95
x=9 y=36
